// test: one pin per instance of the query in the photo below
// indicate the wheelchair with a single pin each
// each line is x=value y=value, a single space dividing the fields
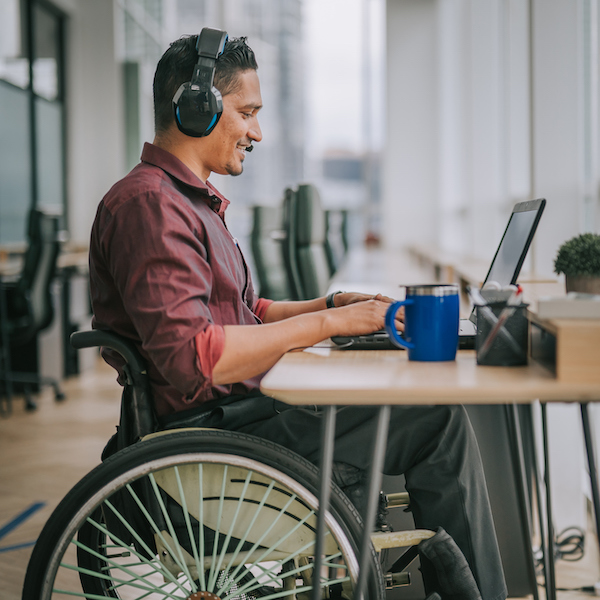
x=201 y=514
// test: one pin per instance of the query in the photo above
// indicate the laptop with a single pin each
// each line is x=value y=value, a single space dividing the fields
x=504 y=270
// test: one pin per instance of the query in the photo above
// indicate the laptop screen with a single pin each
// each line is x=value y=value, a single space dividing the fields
x=515 y=243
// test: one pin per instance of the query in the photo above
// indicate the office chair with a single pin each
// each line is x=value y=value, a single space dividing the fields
x=290 y=254
x=310 y=235
x=267 y=238
x=336 y=238
x=29 y=308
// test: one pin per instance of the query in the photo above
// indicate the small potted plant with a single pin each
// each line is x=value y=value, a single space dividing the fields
x=579 y=259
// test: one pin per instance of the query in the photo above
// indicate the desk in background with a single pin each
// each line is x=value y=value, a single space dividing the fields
x=71 y=312
x=452 y=268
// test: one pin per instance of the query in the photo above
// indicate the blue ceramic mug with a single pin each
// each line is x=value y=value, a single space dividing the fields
x=430 y=322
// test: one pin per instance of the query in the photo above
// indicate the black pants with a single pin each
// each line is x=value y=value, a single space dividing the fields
x=433 y=446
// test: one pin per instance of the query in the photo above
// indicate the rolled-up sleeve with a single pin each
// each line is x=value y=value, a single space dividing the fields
x=260 y=307
x=209 y=347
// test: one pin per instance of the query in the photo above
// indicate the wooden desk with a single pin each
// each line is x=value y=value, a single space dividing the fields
x=329 y=376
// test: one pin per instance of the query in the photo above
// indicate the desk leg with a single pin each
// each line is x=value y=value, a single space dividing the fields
x=6 y=366
x=591 y=457
x=550 y=574
x=529 y=436
x=522 y=488
x=375 y=477
x=326 y=466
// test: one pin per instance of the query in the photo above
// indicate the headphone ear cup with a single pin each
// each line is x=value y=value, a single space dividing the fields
x=196 y=112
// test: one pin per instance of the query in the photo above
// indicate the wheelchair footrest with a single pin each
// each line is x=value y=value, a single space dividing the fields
x=395 y=580
x=399 y=539
x=397 y=500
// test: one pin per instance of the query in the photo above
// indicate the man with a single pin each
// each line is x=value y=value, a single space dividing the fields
x=167 y=274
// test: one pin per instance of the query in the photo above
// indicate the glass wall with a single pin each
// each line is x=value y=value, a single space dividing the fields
x=15 y=166
x=32 y=129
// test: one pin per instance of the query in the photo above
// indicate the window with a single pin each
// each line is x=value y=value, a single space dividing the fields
x=32 y=131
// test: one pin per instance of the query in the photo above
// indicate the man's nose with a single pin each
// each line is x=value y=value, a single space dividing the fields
x=255 y=134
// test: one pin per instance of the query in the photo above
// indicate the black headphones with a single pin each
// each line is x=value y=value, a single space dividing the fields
x=198 y=104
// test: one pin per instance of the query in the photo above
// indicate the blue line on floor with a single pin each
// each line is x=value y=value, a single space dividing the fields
x=17 y=547
x=14 y=523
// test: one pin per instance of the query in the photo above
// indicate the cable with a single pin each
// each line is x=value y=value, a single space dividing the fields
x=590 y=589
x=570 y=544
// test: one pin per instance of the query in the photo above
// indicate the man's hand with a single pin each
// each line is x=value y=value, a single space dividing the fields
x=362 y=315
x=345 y=298
x=278 y=311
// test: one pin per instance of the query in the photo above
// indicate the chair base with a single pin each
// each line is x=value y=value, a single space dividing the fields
x=26 y=381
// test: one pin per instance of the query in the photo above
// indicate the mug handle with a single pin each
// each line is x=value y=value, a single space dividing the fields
x=390 y=324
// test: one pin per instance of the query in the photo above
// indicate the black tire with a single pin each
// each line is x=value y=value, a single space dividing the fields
x=271 y=498
x=91 y=537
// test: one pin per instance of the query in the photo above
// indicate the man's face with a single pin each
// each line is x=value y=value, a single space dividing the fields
x=237 y=128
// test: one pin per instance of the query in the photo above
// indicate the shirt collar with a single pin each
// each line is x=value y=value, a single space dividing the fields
x=170 y=164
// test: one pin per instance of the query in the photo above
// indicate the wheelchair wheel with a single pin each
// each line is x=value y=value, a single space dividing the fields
x=194 y=514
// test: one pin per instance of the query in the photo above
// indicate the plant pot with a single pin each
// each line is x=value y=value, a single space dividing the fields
x=584 y=284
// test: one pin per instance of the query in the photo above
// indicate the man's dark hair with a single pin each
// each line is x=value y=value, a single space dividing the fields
x=176 y=66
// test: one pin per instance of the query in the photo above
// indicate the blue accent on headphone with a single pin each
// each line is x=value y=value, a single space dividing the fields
x=212 y=123
x=177 y=115
x=223 y=46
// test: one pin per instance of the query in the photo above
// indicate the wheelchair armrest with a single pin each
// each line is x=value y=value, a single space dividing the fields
x=127 y=349
x=137 y=412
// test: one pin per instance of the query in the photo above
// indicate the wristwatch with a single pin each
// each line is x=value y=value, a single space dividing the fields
x=329 y=301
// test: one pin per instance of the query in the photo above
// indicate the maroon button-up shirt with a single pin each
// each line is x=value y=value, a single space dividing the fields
x=166 y=273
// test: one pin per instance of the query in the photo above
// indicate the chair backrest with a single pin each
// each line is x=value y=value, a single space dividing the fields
x=290 y=253
x=344 y=231
x=313 y=265
x=336 y=239
x=39 y=269
x=267 y=239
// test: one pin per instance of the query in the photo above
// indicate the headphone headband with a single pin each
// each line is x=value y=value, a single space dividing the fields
x=211 y=43
x=197 y=104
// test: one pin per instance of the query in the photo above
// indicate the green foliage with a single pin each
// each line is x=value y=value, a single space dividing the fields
x=579 y=256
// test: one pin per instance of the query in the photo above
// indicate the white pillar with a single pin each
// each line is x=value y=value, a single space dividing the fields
x=410 y=166
x=95 y=122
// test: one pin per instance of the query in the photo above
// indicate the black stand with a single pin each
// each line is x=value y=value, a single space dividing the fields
x=591 y=457
x=516 y=444
x=326 y=464
x=550 y=574
x=375 y=477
